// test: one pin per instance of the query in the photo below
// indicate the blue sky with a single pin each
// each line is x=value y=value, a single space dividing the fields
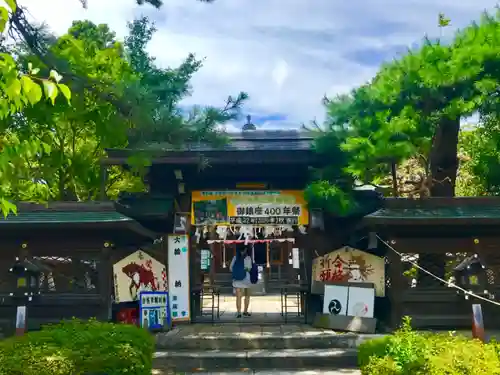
x=287 y=54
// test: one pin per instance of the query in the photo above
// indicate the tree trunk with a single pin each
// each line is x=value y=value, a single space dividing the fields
x=443 y=158
x=394 y=175
x=443 y=166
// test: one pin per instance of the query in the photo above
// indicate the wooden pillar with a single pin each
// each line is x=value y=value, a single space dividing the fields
x=397 y=285
x=213 y=262
x=22 y=309
x=105 y=281
x=104 y=179
x=290 y=272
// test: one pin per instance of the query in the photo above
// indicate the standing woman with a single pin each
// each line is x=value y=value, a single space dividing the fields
x=240 y=269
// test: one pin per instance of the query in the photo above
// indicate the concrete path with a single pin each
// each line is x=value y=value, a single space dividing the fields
x=264 y=309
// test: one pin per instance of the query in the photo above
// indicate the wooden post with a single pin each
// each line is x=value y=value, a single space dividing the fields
x=477 y=322
x=104 y=179
x=213 y=263
x=268 y=255
x=396 y=276
x=21 y=309
x=106 y=280
x=20 y=320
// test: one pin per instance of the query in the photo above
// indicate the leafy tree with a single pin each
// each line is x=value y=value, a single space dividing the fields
x=413 y=107
x=480 y=151
x=163 y=89
x=75 y=138
x=156 y=3
x=20 y=90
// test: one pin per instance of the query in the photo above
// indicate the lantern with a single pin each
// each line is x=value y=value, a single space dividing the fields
x=27 y=275
x=471 y=275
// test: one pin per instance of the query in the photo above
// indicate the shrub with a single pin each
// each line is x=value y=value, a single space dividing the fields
x=76 y=348
x=381 y=366
x=408 y=352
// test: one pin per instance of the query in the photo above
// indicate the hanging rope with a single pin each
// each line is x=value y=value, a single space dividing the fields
x=447 y=283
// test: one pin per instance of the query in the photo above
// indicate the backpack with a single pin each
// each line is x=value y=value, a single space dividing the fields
x=254 y=274
x=239 y=272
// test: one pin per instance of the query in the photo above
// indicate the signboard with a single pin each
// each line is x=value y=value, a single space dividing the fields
x=351 y=265
x=136 y=273
x=206 y=257
x=246 y=207
x=295 y=258
x=335 y=300
x=178 y=277
x=361 y=302
x=154 y=310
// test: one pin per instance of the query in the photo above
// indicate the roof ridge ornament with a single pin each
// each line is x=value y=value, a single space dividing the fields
x=249 y=126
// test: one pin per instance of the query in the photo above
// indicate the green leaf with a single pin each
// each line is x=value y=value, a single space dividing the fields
x=7 y=207
x=65 y=91
x=50 y=90
x=55 y=76
x=32 y=91
x=14 y=90
x=12 y=5
x=46 y=148
x=4 y=18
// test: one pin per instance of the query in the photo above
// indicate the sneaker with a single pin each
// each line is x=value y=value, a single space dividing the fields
x=238 y=316
x=247 y=314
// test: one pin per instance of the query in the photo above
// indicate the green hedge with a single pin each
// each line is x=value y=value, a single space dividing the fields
x=79 y=348
x=408 y=352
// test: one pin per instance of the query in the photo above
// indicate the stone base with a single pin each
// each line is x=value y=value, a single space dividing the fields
x=345 y=323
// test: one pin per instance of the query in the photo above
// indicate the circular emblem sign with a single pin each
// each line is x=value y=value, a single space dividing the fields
x=334 y=307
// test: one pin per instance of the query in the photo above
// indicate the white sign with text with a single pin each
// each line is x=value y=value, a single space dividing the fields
x=178 y=277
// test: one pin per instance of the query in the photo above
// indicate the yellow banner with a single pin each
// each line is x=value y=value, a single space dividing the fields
x=249 y=207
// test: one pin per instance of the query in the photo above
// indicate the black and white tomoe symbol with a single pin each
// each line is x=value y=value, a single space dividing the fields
x=334 y=307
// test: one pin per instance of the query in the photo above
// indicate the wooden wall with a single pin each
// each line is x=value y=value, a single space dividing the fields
x=71 y=291
x=439 y=306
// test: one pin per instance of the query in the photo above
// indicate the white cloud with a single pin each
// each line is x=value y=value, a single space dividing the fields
x=285 y=54
x=280 y=73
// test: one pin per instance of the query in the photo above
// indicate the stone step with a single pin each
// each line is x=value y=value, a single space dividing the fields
x=239 y=337
x=257 y=360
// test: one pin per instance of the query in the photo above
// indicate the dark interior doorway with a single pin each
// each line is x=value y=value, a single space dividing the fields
x=260 y=253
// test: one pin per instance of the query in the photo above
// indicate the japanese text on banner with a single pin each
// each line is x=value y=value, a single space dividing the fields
x=178 y=268
x=261 y=207
x=266 y=214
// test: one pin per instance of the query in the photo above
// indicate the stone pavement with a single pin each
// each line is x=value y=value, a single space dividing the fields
x=263 y=309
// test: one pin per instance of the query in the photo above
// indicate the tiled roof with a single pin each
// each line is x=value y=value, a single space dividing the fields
x=438 y=209
x=63 y=217
x=258 y=140
x=67 y=213
x=145 y=204
x=438 y=213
